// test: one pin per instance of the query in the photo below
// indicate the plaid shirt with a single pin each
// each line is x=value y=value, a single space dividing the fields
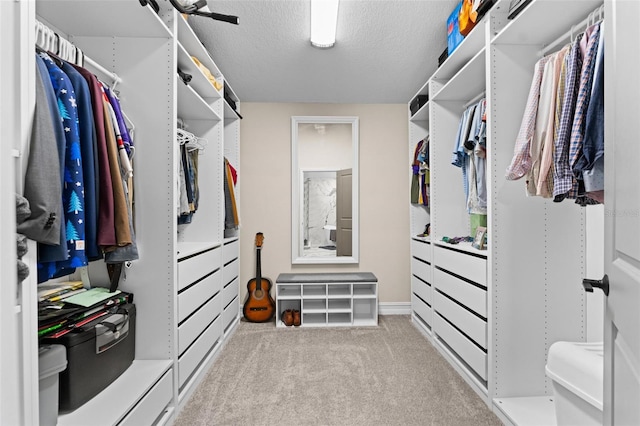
x=521 y=161
x=563 y=176
x=582 y=103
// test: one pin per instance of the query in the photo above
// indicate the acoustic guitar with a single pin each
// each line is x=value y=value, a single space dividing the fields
x=259 y=306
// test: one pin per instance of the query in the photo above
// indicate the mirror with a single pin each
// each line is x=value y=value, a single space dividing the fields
x=324 y=195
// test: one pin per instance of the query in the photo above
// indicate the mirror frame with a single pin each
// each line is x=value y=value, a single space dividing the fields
x=296 y=191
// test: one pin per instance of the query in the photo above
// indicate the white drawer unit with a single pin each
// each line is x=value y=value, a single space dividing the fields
x=421 y=270
x=195 y=295
x=193 y=326
x=329 y=299
x=468 y=351
x=421 y=309
x=230 y=251
x=421 y=289
x=230 y=292
x=230 y=313
x=196 y=266
x=468 y=323
x=461 y=263
x=230 y=272
x=421 y=249
x=193 y=356
x=465 y=293
x=459 y=308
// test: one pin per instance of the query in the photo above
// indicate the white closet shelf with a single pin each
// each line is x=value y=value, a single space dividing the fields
x=229 y=113
x=113 y=403
x=525 y=28
x=126 y=19
x=527 y=411
x=466 y=50
x=199 y=81
x=470 y=79
x=194 y=47
x=424 y=239
x=422 y=114
x=192 y=106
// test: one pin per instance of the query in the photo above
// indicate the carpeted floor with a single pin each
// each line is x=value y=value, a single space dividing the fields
x=385 y=375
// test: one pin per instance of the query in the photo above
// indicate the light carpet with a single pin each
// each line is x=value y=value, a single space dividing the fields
x=385 y=375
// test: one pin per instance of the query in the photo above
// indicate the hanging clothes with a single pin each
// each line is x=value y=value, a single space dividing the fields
x=79 y=134
x=43 y=182
x=562 y=175
x=561 y=138
x=120 y=210
x=106 y=226
x=521 y=161
x=476 y=155
x=190 y=193
x=231 y=218
x=73 y=188
x=87 y=137
x=579 y=122
x=543 y=183
x=460 y=157
x=420 y=173
x=592 y=161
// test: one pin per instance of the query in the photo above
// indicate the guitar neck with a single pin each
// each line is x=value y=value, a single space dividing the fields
x=258 y=269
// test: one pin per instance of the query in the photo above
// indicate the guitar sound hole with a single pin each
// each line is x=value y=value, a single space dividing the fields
x=258 y=293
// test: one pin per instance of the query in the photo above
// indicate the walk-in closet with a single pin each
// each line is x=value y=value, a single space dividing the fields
x=492 y=208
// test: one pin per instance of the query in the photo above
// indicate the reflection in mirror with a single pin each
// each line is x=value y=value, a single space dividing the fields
x=324 y=189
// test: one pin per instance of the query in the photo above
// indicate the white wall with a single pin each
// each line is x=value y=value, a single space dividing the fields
x=265 y=204
x=329 y=150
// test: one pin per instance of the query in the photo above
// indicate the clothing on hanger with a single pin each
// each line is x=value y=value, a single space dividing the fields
x=72 y=191
x=550 y=149
x=87 y=138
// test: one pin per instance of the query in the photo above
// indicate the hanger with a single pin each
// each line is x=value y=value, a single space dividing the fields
x=190 y=141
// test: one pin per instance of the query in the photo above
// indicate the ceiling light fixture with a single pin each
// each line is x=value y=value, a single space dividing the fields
x=324 y=19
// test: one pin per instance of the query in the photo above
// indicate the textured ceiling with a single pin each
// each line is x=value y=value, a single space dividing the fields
x=385 y=50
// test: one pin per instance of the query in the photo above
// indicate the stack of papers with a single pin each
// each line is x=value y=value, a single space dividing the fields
x=53 y=292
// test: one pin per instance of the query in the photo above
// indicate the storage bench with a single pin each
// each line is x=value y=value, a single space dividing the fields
x=329 y=299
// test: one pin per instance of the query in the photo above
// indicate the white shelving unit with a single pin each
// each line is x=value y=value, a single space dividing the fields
x=329 y=299
x=185 y=283
x=494 y=313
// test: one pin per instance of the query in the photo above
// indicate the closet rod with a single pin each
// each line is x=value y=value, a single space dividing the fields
x=474 y=100
x=574 y=28
x=47 y=32
x=114 y=77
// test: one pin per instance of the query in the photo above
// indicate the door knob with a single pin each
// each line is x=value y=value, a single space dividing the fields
x=602 y=284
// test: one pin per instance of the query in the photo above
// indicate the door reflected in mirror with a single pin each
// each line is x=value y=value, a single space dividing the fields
x=324 y=189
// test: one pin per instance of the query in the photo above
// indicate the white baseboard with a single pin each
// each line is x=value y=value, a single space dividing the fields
x=394 y=308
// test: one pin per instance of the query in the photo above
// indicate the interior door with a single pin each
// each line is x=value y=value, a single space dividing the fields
x=622 y=214
x=344 y=212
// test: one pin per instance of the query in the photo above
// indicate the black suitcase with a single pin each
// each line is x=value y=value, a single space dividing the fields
x=97 y=354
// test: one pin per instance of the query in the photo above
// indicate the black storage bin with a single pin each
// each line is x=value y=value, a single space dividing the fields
x=97 y=354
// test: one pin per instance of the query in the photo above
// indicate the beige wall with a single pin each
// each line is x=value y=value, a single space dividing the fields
x=265 y=192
